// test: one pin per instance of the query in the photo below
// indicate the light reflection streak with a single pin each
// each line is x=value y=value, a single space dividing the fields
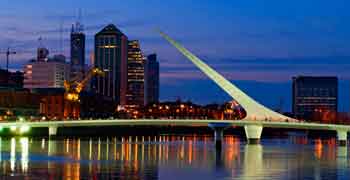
x=182 y=149
x=190 y=150
x=342 y=158
x=253 y=161
x=318 y=148
x=154 y=147
x=78 y=149
x=43 y=143
x=149 y=151
x=159 y=150
x=142 y=150
x=115 y=148
x=0 y=149
x=136 y=156
x=25 y=151
x=129 y=150
x=122 y=150
x=51 y=150
x=13 y=154
x=67 y=146
x=90 y=155
x=107 y=148
x=90 y=149
x=99 y=149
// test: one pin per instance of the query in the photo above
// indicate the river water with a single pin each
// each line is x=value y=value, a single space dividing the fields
x=172 y=157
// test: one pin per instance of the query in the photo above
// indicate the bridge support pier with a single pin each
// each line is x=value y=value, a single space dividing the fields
x=253 y=133
x=53 y=131
x=342 y=137
x=218 y=134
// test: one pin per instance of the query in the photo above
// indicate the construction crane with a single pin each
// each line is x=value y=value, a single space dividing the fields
x=8 y=53
x=73 y=89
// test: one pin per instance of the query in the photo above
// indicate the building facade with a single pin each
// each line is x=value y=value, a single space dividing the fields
x=51 y=102
x=315 y=98
x=135 y=93
x=46 y=72
x=11 y=79
x=111 y=49
x=151 y=79
x=188 y=110
x=16 y=102
x=77 y=52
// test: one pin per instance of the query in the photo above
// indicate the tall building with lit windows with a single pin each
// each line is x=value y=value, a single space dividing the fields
x=151 y=79
x=111 y=53
x=77 y=51
x=135 y=93
x=315 y=98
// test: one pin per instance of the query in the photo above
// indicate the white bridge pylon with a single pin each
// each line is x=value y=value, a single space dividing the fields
x=254 y=110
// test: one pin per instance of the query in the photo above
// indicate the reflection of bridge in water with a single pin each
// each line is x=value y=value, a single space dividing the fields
x=258 y=116
x=146 y=156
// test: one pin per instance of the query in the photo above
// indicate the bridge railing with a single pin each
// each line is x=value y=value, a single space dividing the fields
x=161 y=119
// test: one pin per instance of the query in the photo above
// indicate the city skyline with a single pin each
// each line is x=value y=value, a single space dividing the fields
x=270 y=51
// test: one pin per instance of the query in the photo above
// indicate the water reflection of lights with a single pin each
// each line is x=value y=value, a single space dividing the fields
x=13 y=154
x=128 y=150
x=136 y=150
x=78 y=149
x=142 y=149
x=25 y=151
x=51 y=150
x=135 y=162
x=24 y=142
x=43 y=143
x=342 y=160
x=318 y=148
x=0 y=149
x=135 y=154
x=107 y=149
x=325 y=148
x=190 y=150
x=90 y=149
x=253 y=161
x=99 y=149
x=51 y=147
x=302 y=140
x=67 y=146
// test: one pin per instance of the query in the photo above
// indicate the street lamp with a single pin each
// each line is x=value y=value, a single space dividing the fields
x=21 y=119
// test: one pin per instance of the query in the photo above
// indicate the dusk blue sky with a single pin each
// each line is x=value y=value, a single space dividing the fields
x=258 y=44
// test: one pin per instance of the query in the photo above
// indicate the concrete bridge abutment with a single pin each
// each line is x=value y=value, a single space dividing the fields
x=342 y=136
x=53 y=130
x=253 y=133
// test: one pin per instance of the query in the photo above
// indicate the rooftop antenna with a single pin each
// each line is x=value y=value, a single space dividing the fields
x=40 y=40
x=79 y=23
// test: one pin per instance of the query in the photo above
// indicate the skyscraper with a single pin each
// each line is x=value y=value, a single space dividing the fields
x=111 y=52
x=151 y=79
x=135 y=93
x=77 y=51
x=315 y=98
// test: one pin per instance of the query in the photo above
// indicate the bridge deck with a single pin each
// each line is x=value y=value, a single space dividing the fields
x=176 y=122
